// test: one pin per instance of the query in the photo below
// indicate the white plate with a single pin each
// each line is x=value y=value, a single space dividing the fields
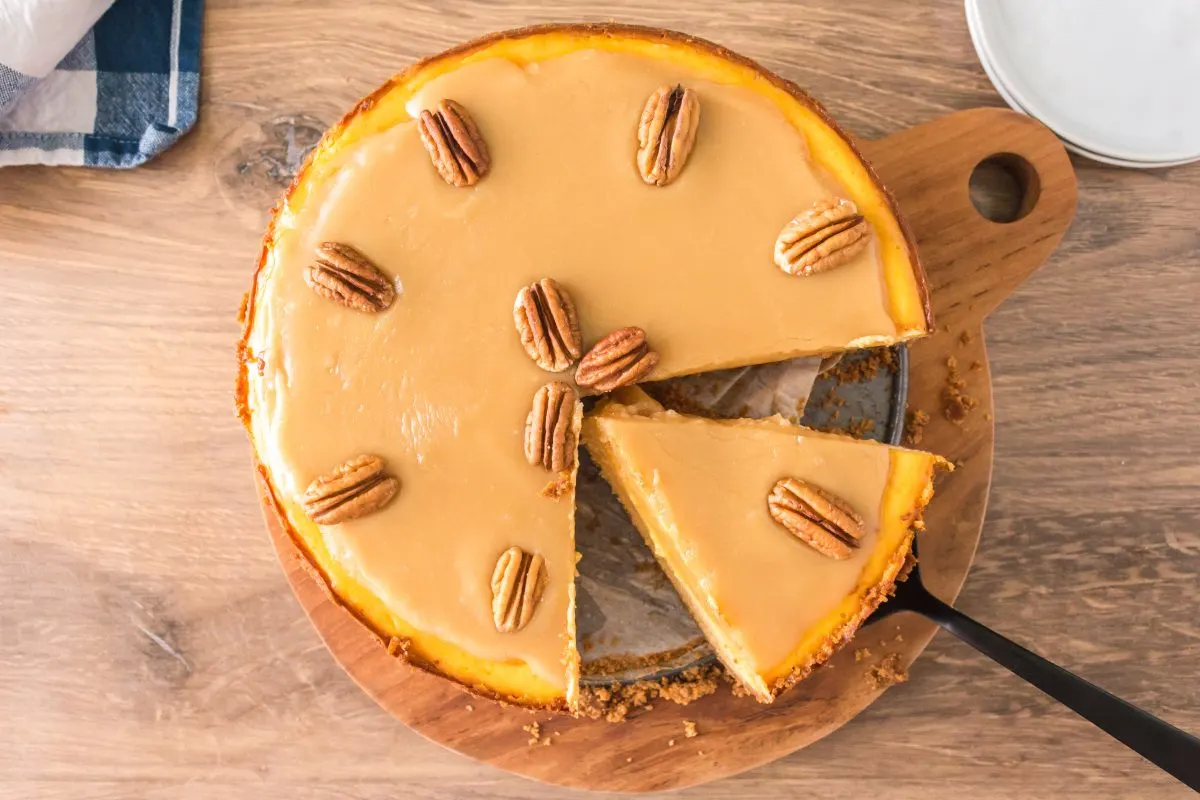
x=1004 y=92
x=1119 y=79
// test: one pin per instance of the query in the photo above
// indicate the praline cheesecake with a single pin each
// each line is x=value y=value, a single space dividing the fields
x=495 y=233
x=781 y=540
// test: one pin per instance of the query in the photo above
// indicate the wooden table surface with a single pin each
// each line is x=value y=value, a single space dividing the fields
x=149 y=646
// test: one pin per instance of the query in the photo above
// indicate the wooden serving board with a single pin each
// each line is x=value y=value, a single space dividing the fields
x=972 y=264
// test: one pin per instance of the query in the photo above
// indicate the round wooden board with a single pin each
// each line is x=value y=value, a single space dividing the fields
x=972 y=264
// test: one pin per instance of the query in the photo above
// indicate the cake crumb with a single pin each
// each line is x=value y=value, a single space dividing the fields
x=629 y=759
x=534 y=729
x=470 y=707
x=699 y=752
x=670 y=743
x=888 y=672
x=689 y=729
x=861 y=655
x=915 y=421
x=397 y=646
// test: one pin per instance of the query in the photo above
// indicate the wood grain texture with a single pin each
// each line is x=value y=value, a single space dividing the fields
x=149 y=646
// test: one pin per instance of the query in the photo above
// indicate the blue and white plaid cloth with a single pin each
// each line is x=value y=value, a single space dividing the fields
x=126 y=92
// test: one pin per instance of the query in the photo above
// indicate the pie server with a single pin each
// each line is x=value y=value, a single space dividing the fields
x=1171 y=749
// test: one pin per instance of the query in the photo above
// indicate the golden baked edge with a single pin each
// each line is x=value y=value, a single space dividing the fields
x=431 y=66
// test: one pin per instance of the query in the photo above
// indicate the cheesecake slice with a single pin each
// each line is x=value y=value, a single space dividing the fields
x=775 y=591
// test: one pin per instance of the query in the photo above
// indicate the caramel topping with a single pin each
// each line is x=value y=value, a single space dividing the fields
x=441 y=385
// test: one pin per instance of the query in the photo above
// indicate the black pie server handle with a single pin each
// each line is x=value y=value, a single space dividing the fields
x=1171 y=749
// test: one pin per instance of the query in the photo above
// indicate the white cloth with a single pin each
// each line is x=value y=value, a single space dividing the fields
x=36 y=34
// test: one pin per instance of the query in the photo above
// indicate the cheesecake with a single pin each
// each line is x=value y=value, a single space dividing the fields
x=779 y=539
x=489 y=237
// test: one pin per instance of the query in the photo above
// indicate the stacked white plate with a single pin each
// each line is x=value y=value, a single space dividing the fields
x=1117 y=80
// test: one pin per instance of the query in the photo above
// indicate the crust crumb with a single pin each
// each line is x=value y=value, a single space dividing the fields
x=670 y=742
x=861 y=655
x=888 y=672
x=559 y=487
x=956 y=404
x=689 y=729
x=859 y=428
x=397 y=647
x=470 y=707
x=915 y=421
x=614 y=703
x=534 y=729
x=862 y=368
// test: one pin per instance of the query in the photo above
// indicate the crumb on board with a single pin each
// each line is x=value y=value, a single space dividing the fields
x=629 y=759
x=689 y=729
x=965 y=338
x=976 y=366
x=534 y=729
x=470 y=707
x=670 y=743
x=861 y=655
x=888 y=672
x=956 y=403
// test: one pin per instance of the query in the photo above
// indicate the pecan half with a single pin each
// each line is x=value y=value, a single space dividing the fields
x=548 y=325
x=550 y=427
x=666 y=133
x=827 y=235
x=344 y=275
x=455 y=144
x=619 y=359
x=355 y=489
x=517 y=585
x=821 y=520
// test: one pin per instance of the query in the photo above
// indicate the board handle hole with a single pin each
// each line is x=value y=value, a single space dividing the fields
x=1004 y=187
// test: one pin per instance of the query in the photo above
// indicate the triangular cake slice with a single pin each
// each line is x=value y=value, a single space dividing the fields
x=775 y=597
